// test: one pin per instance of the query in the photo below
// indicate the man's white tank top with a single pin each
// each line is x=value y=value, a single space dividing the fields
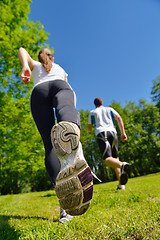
x=102 y=119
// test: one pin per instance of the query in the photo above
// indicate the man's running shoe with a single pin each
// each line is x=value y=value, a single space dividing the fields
x=64 y=217
x=74 y=183
x=125 y=169
x=120 y=187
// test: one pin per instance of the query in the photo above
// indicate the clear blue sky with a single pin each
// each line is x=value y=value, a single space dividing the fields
x=109 y=48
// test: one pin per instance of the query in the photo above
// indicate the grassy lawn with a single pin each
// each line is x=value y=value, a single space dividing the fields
x=130 y=214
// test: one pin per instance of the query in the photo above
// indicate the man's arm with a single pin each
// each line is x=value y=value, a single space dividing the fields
x=121 y=127
x=90 y=122
x=90 y=126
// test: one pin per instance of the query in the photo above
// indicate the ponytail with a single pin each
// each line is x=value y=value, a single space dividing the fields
x=45 y=57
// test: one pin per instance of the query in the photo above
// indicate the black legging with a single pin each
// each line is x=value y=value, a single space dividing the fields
x=46 y=96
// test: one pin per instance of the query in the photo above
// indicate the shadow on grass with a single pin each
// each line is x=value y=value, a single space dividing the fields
x=9 y=233
x=49 y=195
x=6 y=231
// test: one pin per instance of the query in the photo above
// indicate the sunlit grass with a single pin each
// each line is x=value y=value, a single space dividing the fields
x=130 y=214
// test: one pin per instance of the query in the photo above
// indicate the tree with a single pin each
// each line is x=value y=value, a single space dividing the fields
x=143 y=145
x=16 y=31
x=21 y=152
x=156 y=91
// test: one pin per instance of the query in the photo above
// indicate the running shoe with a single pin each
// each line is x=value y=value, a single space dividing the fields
x=120 y=187
x=125 y=169
x=74 y=183
x=64 y=217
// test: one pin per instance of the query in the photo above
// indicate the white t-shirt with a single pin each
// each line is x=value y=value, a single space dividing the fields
x=102 y=119
x=39 y=73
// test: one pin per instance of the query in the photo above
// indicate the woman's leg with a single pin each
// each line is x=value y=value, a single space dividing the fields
x=64 y=103
x=74 y=185
x=43 y=115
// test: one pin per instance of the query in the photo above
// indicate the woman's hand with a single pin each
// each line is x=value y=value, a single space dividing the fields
x=27 y=63
x=26 y=75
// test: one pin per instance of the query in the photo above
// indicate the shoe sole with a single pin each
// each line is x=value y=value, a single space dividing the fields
x=74 y=183
x=64 y=138
x=124 y=174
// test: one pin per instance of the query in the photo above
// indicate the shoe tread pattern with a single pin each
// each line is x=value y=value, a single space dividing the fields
x=71 y=170
x=78 y=211
x=74 y=183
x=64 y=138
x=75 y=191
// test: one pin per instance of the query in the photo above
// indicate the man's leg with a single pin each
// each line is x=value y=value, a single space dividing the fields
x=108 y=144
x=118 y=174
x=113 y=162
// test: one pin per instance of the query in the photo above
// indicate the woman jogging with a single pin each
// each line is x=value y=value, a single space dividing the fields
x=64 y=159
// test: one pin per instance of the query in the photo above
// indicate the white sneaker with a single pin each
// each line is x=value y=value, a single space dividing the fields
x=121 y=187
x=74 y=183
x=64 y=217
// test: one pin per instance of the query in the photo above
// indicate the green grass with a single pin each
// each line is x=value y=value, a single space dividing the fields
x=130 y=214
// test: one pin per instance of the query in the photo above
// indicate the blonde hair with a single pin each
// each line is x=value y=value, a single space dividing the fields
x=45 y=57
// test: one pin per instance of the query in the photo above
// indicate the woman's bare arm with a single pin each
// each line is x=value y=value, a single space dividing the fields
x=27 y=63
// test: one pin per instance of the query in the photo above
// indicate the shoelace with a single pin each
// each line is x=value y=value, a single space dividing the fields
x=94 y=175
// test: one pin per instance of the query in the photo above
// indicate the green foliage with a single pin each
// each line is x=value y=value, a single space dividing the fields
x=17 y=31
x=21 y=153
x=133 y=213
x=142 y=128
x=156 y=91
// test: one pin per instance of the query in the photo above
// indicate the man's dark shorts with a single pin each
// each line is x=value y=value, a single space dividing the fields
x=108 y=144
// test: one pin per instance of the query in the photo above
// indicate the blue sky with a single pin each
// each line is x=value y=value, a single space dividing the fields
x=109 y=48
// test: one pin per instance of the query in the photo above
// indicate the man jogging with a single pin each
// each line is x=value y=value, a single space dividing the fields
x=102 y=120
